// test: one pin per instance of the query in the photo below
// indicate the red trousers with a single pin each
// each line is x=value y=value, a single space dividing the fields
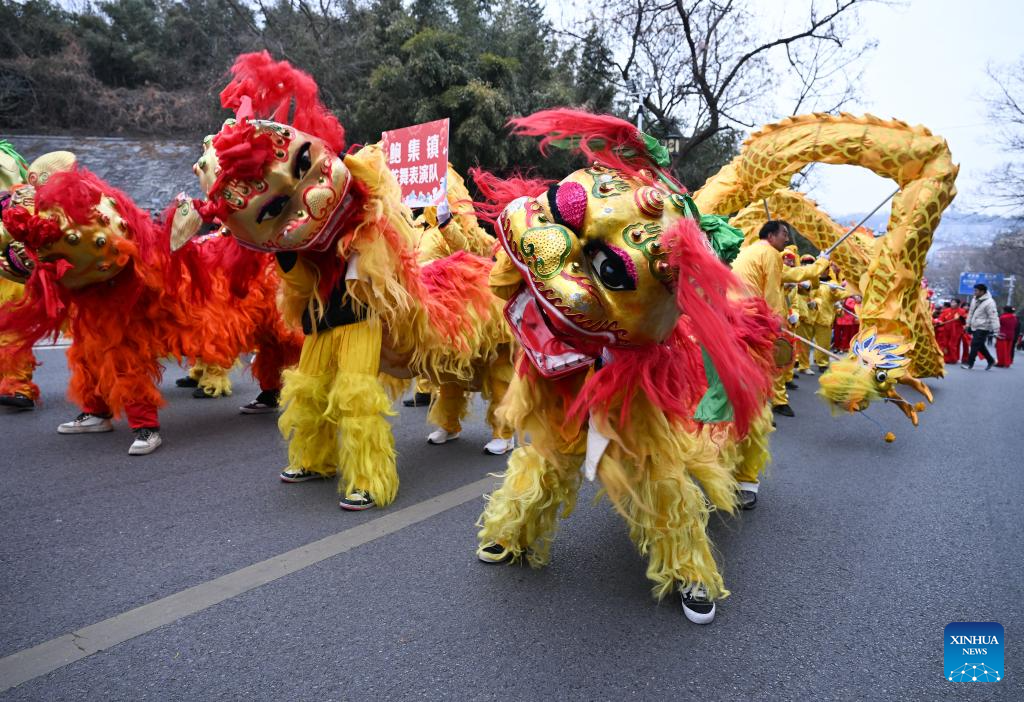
x=140 y=415
x=1004 y=353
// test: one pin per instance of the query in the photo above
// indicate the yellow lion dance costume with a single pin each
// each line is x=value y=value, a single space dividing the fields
x=597 y=269
x=346 y=250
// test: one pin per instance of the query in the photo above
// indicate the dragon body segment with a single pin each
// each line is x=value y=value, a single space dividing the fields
x=887 y=271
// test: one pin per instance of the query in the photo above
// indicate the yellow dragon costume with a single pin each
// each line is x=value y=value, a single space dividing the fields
x=896 y=343
x=597 y=269
x=347 y=254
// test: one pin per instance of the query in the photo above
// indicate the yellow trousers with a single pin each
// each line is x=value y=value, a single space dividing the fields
x=823 y=338
x=803 y=351
x=451 y=404
x=334 y=408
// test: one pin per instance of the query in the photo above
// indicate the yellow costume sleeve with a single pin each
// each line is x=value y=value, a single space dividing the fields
x=812 y=271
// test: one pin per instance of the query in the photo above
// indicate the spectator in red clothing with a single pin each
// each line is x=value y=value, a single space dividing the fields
x=1007 y=335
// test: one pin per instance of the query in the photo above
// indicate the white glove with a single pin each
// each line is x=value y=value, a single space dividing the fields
x=793 y=318
x=805 y=285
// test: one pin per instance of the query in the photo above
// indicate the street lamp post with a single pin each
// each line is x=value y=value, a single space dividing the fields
x=639 y=90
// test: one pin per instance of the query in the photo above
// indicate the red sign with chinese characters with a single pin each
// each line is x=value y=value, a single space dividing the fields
x=418 y=158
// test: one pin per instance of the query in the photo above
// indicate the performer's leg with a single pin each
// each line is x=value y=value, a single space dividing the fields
x=823 y=338
x=668 y=523
x=16 y=371
x=312 y=438
x=214 y=381
x=450 y=407
x=754 y=456
x=803 y=351
x=521 y=516
x=779 y=395
x=496 y=385
x=358 y=403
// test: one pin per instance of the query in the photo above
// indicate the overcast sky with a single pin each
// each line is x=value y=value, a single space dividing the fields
x=928 y=68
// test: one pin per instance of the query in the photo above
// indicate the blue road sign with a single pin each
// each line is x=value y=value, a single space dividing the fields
x=994 y=282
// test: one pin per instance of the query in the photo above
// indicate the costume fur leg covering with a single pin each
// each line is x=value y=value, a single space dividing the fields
x=522 y=514
x=335 y=389
x=496 y=383
x=449 y=407
x=215 y=381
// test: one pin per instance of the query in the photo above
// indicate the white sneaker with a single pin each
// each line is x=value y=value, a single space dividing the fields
x=86 y=423
x=499 y=447
x=146 y=441
x=809 y=371
x=441 y=437
x=696 y=605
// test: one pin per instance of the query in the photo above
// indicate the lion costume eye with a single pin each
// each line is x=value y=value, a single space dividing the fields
x=613 y=268
x=273 y=208
x=303 y=162
x=881 y=376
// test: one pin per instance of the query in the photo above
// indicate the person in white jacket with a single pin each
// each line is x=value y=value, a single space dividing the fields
x=982 y=323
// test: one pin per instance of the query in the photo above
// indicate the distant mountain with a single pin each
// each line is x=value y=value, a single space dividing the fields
x=956 y=228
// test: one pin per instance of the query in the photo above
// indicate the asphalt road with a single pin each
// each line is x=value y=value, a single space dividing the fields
x=843 y=579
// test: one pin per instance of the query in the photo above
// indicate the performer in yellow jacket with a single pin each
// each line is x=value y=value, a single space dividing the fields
x=759 y=265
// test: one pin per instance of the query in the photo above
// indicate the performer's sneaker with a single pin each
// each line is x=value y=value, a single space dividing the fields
x=748 y=499
x=18 y=401
x=86 y=423
x=784 y=410
x=420 y=399
x=790 y=385
x=300 y=475
x=357 y=501
x=808 y=371
x=265 y=402
x=200 y=394
x=494 y=554
x=499 y=447
x=441 y=437
x=696 y=605
x=146 y=442
x=187 y=382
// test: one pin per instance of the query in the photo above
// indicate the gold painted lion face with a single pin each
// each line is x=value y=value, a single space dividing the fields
x=591 y=253
x=869 y=372
x=292 y=204
x=92 y=248
x=15 y=264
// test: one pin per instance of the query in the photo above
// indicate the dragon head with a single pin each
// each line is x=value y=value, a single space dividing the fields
x=592 y=254
x=870 y=372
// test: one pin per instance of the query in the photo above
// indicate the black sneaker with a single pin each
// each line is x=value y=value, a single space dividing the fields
x=201 y=394
x=790 y=385
x=494 y=554
x=265 y=402
x=696 y=605
x=18 y=401
x=357 y=501
x=187 y=382
x=989 y=366
x=784 y=410
x=420 y=399
x=748 y=499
